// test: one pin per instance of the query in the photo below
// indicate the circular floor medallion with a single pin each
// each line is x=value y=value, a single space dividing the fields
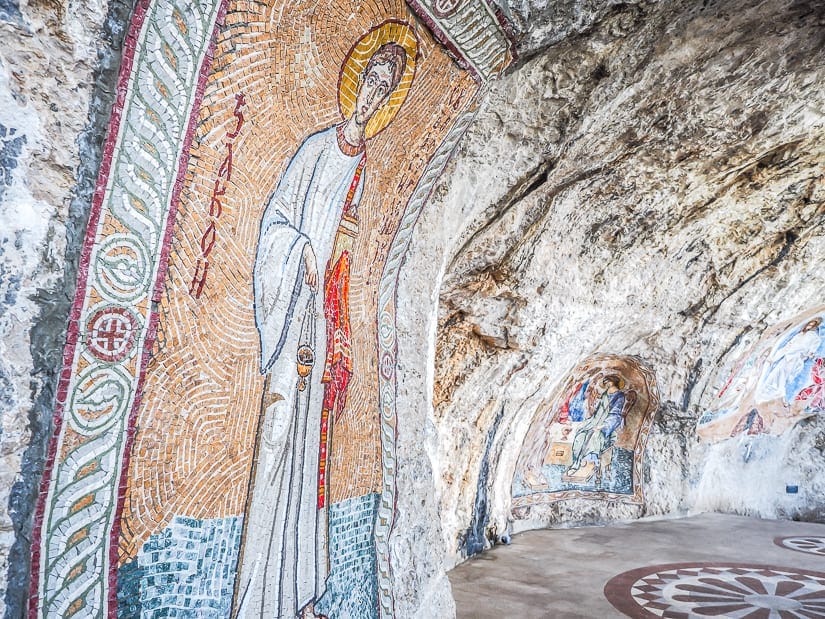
x=811 y=544
x=729 y=590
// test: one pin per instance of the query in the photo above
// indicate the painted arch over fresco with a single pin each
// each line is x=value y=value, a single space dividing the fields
x=588 y=441
x=225 y=422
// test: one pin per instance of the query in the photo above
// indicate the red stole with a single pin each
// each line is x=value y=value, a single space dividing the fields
x=338 y=361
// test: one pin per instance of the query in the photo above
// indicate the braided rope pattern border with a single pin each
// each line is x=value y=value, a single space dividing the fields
x=113 y=321
x=388 y=355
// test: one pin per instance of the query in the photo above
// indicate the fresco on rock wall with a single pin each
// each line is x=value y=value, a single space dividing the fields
x=225 y=421
x=588 y=441
x=777 y=382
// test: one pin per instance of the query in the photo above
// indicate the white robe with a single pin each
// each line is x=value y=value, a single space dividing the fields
x=785 y=365
x=284 y=561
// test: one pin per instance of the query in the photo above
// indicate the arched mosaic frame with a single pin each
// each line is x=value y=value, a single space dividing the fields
x=114 y=318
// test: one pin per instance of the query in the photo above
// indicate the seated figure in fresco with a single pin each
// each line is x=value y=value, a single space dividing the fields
x=597 y=433
x=788 y=363
x=575 y=407
x=301 y=290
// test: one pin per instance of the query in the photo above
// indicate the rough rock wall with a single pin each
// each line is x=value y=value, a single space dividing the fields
x=56 y=73
x=651 y=187
x=541 y=23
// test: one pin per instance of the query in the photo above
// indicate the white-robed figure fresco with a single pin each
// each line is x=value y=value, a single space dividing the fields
x=301 y=292
x=788 y=363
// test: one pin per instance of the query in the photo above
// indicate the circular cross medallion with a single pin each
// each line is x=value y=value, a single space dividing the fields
x=111 y=333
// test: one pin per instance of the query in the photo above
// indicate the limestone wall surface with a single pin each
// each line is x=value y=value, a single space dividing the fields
x=650 y=187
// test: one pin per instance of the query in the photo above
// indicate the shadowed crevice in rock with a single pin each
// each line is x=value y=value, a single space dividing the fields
x=11 y=147
x=693 y=377
x=475 y=539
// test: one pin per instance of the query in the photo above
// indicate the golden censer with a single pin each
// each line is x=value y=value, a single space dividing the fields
x=305 y=356
x=305 y=360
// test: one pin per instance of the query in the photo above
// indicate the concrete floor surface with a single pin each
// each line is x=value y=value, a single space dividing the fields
x=561 y=573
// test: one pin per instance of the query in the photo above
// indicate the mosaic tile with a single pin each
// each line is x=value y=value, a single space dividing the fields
x=352 y=586
x=187 y=570
x=179 y=359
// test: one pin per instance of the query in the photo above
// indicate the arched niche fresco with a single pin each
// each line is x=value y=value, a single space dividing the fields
x=225 y=423
x=774 y=384
x=588 y=440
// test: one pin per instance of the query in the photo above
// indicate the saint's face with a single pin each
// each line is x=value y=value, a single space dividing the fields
x=374 y=92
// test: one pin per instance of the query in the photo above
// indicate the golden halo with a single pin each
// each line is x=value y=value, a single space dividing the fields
x=390 y=31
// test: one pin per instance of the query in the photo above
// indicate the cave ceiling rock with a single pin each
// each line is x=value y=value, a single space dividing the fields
x=646 y=182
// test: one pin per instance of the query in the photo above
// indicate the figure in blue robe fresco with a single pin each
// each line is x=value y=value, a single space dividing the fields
x=575 y=407
x=598 y=432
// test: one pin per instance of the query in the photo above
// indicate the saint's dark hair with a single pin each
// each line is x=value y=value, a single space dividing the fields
x=394 y=55
x=613 y=378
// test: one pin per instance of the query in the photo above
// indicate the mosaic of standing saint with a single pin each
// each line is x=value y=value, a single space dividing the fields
x=773 y=385
x=301 y=292
x=589 y=440
x=237 y=309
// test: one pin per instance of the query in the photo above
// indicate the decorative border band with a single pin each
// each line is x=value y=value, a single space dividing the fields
x=388 y=351
x=113 y=319
x=474 y=31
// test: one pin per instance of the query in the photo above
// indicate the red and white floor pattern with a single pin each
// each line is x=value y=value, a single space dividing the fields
x=730 y=590
x=810 y=544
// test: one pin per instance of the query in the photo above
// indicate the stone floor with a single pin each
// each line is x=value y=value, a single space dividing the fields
x=567 y=573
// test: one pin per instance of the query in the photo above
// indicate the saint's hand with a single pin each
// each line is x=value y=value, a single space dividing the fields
x=310 y=267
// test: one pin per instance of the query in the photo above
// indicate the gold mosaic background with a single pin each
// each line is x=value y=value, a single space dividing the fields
x=201 y=401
